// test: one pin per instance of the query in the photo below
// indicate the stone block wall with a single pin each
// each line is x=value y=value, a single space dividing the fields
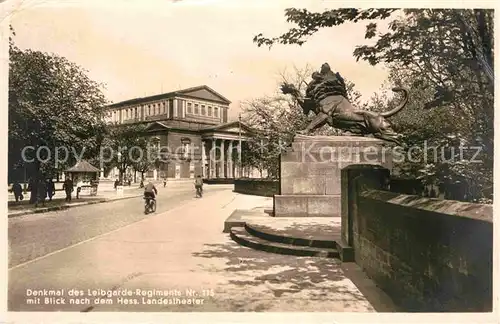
x=259 y=187
x=427 y=254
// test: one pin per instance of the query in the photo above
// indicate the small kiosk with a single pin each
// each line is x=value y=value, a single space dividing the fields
x=86 y=175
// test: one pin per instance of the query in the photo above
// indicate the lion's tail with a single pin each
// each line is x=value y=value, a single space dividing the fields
x=400 y=106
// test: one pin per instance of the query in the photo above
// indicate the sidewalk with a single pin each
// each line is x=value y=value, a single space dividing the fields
x=59 y=203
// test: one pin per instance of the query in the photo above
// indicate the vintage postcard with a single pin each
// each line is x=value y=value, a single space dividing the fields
x=171 y=158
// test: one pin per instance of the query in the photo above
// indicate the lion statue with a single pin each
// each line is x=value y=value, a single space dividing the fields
x=326 y=96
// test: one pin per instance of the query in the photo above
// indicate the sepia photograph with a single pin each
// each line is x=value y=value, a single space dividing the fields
x=236 y=156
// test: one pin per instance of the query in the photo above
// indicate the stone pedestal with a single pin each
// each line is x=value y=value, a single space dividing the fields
x=310 y=178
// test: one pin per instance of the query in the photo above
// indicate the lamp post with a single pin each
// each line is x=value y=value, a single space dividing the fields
x=119 y=154
x=239 y=147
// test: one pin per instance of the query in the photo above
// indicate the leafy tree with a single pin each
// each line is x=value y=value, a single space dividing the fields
x=52 y=104
x=446 y=154
x=445 y=56
x=151 y=158
x=277 y=118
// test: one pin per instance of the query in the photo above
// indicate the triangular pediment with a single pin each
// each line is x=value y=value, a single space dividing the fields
x=204 y=93
x=231 y=127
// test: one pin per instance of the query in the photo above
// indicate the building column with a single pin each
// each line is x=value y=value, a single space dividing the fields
x=212 y=157
x=238 y=166
x=155 y=174
x=222 y=173
x=230 y=173
x=203 y=159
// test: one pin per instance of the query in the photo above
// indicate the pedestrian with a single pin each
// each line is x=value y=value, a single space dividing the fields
x=17 y=190
x=32 y=188
x=116 y=183
x=198 y=185
x=51 y=189
x=42 y=192
x=164 y=182
x=68 y=188
x=79 y=185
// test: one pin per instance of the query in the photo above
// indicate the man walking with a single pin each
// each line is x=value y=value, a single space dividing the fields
x=51 y=189
x=42 y=192
x=17 y=190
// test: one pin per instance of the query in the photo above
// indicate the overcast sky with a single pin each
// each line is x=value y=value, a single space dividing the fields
x=146 y=47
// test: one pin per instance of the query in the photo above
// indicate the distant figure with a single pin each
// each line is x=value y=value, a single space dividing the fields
x=42 y=192
x=68 y=188
x=141 y=185
x=51 y=189
x=32 y=188
x=79 y=185
x=198 y=185
x=116 y=183
x=150 y=190
x=164 y=182
x=17 y=190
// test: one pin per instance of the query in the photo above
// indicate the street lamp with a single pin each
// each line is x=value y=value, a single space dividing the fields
x=239 y=147
x=119 y=167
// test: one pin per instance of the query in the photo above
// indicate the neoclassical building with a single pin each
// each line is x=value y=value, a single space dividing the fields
x=191 y=127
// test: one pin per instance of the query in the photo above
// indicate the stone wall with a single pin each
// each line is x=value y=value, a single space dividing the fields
x=427 y=254
x=259 y=187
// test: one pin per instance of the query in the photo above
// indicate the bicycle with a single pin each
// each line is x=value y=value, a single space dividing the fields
x=149 y=205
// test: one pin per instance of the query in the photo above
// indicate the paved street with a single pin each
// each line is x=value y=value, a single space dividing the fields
x=179 y=251
x=32 y=236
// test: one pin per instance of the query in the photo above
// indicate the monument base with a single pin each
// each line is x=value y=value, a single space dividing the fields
x=307 y=205
x=310 y=172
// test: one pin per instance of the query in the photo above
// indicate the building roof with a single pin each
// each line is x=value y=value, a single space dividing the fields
x=189 y=92
x=83 y=166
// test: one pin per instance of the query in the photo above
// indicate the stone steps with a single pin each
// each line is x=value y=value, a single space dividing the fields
x=268 y=235
x=280 y=244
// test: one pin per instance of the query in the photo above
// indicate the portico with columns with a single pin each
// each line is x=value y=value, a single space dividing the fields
x=221 y=147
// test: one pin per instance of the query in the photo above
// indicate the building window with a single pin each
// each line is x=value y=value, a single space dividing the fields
x=189 y=108
x=196 y=109
x=216 y=111
x=135 y=113
x=210 y=110
x=203 y=110
x=164 y=107
x=179 y=108
x=149 y=110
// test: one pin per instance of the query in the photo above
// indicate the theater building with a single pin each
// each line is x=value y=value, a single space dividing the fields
x=193 y=125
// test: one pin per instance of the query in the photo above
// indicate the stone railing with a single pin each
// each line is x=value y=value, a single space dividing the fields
x=259 y=187
x=427 y=254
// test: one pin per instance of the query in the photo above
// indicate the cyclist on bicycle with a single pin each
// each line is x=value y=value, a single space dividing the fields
x=198 y=184
x=150 y=190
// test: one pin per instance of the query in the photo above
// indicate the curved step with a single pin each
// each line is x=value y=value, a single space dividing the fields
x=268 y=235
x=241 y=236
